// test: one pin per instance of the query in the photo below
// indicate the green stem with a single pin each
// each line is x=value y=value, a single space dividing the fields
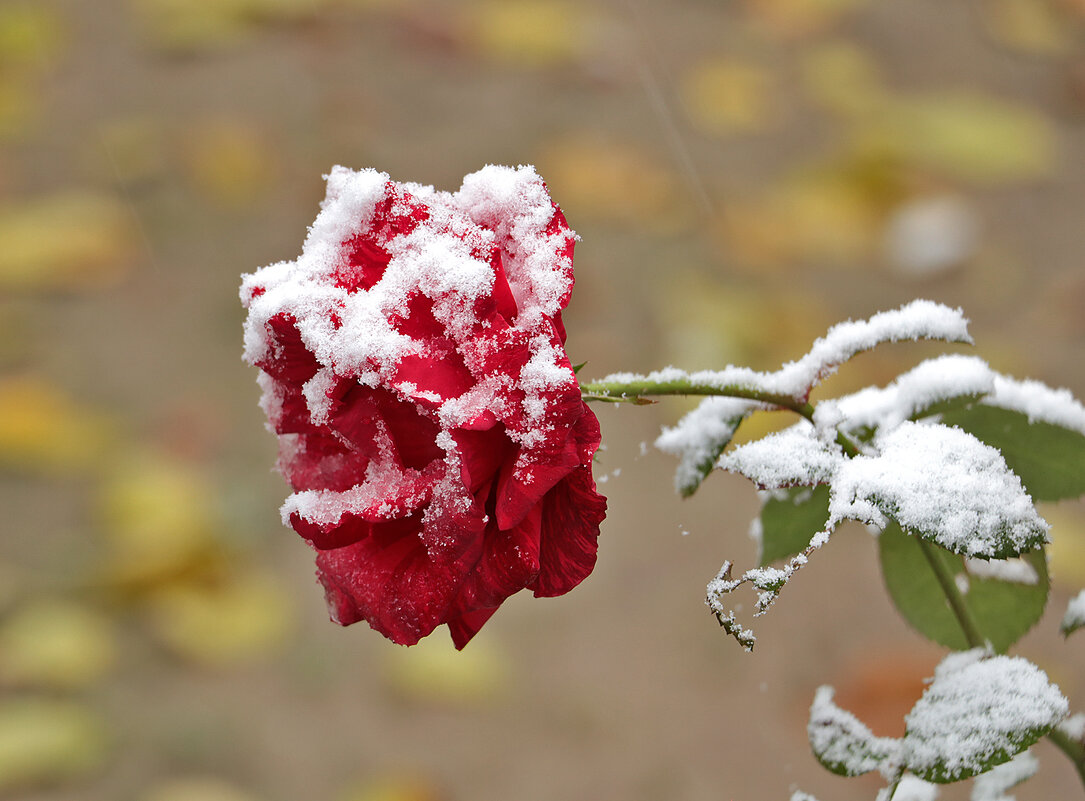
x=632 y=390
x=953 y=596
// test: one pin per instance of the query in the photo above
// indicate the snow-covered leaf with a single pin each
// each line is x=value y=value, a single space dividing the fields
x=789 y=518
x=1049 y=458
x=843 y=743
x=934 y=386
x=1003 y=609
x=944 y=485
x=978 y=713
x=1074 y=618
x=700 y=437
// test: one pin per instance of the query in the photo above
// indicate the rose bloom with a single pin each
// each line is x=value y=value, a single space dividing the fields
x=429 y=421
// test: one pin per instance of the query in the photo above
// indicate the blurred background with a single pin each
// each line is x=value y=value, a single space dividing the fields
x=743 y=174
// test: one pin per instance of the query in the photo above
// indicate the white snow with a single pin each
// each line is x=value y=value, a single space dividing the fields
x=993 y=785
x=978 y=709
x=912 y=788
x=1039 y=402
x=920 y=319
x=786 y=458
x=499 y=215
x=1074 y=618
x=1014 y=571
x=702 y=434
x=1074 y=727
x=943 y=482
x=928 y=383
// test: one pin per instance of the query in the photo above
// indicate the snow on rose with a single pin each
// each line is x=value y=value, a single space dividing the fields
x=429 y=420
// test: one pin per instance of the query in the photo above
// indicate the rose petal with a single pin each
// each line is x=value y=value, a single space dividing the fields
x=394 y=585
x=572 y=512
x=466 y=626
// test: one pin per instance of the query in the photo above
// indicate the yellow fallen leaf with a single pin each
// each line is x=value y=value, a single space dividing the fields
x=186 y=25
x=230 y=163
x=614 y=181
x=31 y=39
x=45 y=742
x=972 y=136
x=17 y=323
x=42 y=429
x=1029 y=26
x=824 y=218
x=31 y=36
x=529 y=32
x=19 y=107
x=830 y=220
x=158 y=523
x=221 y=622
x=397 y=787
x=196 y=788
x=68 y=240
x=842 y=77
x=55 y=644
x=434 y=671
x=722 y=96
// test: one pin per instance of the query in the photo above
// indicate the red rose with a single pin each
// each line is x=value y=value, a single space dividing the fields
x=428 y=417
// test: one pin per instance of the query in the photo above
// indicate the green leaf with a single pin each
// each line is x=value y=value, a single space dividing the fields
x=789 y=518
x=1049 y=459
x=1003 y=610
x=841 y=742
x=977 y=714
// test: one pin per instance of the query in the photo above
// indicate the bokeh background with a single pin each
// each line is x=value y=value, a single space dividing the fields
x=743 y=173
